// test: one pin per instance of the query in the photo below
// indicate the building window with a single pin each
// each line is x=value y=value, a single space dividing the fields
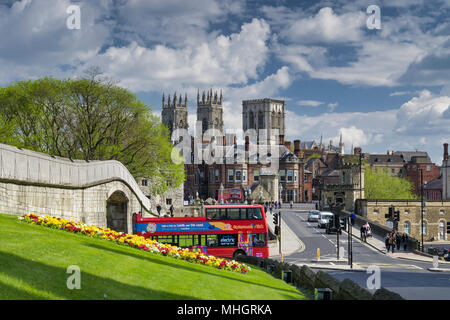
x=441 y=230
x=210 y=176
x=282 y=175
x=169 y=202
x=238 y=175
x=428 y=168
x=244 y=175
x=255 y=175
x=216 y=173
x=407 y=227
x=144 y=182
x=424 y=227
x=295 y=175
x=290 y=176
x=375 y=211
x=406 y=211
x=441 y=211
x=230 y=175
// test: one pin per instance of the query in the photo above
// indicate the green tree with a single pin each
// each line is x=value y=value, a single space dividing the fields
x=382 y=185
x=92 y=119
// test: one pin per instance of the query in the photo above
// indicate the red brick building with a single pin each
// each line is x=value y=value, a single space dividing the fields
x=418 y=164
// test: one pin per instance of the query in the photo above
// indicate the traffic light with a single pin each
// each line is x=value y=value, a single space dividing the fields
x=275 y=218
x=390 y=215
x=397 y=215
x=277 y=230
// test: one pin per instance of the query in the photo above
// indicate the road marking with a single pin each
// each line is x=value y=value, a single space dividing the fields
x=387 y=265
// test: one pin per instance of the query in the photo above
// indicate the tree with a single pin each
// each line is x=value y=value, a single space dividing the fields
x=92 y=119
x=382 y=185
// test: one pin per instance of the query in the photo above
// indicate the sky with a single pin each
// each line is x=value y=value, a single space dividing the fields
x=384 y=84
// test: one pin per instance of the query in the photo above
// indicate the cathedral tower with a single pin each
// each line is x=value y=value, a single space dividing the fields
x=209 y=111
x=265 y=114
x=174 y=114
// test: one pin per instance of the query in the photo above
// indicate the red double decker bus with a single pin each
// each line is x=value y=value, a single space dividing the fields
x=231 y=195
x=222 y=230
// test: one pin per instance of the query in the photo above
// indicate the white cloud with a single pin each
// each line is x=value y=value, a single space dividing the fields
x=226 y=60
x=326 y=26
x=309 y=103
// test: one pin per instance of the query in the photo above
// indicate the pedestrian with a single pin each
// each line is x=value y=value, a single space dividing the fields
x=405 y=240
x=271 y=208
x=353 y=218
x=363 y=233
x=291 y=203
x=387 y=243
x=392 y=242
x=276 y=203
x=171 y=210
x=398 y=241
x=158 y=208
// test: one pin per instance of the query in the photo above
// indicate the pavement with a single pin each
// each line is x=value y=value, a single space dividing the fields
x=291 y=243
x=378 y=244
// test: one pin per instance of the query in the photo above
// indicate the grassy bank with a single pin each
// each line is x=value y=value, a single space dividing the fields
x=34 y=261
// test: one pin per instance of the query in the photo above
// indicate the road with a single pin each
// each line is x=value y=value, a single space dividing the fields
x=410 y=279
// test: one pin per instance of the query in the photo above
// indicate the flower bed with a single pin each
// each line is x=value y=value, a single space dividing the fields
x=136 y=241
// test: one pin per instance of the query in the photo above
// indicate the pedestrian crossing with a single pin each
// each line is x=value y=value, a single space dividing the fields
x=388 y=265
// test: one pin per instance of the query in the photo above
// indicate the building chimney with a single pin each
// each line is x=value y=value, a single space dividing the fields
x=297 y=148
x=247 y=142
x=445 y=151
x=287 y=144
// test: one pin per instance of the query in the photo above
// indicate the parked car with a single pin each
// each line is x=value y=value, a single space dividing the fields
x=313 y=216
x=324 y=217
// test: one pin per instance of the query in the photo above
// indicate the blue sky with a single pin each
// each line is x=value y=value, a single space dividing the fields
x=383 y=89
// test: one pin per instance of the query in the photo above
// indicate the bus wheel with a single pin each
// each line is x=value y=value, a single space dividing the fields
x=238 y=253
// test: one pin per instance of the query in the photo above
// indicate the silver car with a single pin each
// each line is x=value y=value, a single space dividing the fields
x=324 y=217
x=313 y=216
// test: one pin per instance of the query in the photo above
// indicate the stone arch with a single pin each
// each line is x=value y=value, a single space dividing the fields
x=117 y=211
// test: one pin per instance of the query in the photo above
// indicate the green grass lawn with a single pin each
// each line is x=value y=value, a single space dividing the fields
x=34 y=261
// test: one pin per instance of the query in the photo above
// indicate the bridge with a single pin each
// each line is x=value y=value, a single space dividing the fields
x=101 y=193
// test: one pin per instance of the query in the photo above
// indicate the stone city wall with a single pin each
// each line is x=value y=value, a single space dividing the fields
x=32 y=182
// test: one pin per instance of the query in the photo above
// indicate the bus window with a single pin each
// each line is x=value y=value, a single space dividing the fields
x=211 y=240
x=254 y=213
x=185 y=240
x=259 y=239
x=234 y=213
x=165 y=239
x=212 y=213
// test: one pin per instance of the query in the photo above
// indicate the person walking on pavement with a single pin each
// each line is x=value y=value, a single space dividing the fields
x=386 y=242
x=291 y=203
x=405 y=241
x=398 y=241
x=353 y=217
x=158 y=208
x=392 y=242
x=363 y=233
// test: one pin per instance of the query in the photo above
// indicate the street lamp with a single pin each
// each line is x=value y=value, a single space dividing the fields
x=221 y=193
x=422 y=205
x=280 y=187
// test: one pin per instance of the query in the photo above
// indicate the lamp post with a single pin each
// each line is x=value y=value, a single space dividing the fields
x=279 y=217
x=421 y=205
x=221 y=193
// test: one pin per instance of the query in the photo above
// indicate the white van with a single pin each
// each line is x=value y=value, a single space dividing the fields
x=324 y=217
